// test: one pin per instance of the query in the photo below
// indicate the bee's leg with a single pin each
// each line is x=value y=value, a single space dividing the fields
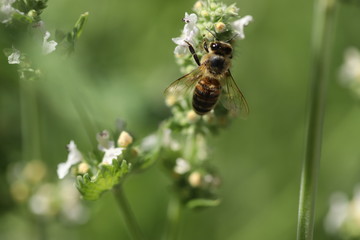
x=192 y=50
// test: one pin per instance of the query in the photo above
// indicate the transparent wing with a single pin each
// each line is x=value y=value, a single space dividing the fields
x=232 y=98
x=183 y=85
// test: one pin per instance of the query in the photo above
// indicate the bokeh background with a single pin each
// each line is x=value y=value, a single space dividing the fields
x=123 y=62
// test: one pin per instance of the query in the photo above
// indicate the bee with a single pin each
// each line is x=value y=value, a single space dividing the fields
x=211 y=81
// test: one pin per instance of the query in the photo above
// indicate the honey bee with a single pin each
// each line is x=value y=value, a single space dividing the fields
x=211 y=80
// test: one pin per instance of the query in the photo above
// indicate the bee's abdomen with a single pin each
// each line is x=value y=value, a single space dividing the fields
x=206 y=95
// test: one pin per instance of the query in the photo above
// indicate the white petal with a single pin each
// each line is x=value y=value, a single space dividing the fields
x=104 y=142
x=14 y=57
x=74 y=155
x=179 y=41
x=190 y=19
x=73 y=158
x=180 y=50
x=182 y=166
x=63 y=170
x=48 y=46
x=111 y=154
x=239 y=25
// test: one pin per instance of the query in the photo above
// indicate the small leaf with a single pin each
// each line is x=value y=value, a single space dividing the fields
x=202 y=202
x=106 y=178
x=79 y=25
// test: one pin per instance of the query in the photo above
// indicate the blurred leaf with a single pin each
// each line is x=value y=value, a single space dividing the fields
x=200 y=203
x=106 y=178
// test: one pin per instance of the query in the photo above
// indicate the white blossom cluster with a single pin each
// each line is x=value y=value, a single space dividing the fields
x=105 y=145
x=211 y=19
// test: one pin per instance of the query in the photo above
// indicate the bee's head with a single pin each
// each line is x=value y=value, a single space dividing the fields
x=221 y=48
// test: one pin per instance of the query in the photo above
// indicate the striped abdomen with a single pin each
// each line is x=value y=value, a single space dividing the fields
x=206 y=95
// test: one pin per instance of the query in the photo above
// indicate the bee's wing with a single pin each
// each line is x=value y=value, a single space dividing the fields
x=232 y=98
x=180 y=87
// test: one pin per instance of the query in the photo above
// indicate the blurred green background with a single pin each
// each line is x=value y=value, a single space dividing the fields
x=123 y=62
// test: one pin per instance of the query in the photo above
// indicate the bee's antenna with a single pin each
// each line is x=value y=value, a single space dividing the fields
x=228 y=41
x=214 y=35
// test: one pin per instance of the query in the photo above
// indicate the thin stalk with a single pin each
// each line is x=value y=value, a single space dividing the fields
x=29 y=113
x=174 y=218
x=128 y=215
x=324 y=18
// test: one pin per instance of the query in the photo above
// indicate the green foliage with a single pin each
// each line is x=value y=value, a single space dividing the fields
x=105 y=179
x=68 y=40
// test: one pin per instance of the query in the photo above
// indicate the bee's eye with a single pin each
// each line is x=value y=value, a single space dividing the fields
x=214 y=46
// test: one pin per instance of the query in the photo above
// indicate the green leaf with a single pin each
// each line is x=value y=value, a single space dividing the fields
x=79 y=25
x=106 y=178
x=202 y=202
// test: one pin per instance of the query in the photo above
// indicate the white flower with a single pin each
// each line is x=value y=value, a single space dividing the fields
x=6 y=10
x=350 y=70
x=189 y=34
x=111 y=154
x=48 y=46
x=73 y=158
x=104 y=142
x=14 y=57
x=338 y=212
x=239 y=25
x=149 y=143
x=108 y=147
x=182 y=166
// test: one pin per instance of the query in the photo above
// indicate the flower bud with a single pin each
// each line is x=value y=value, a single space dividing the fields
x=204 y=13
x=32 y=13
x=83 y=168
x=220 y=27
x=170 y=100
x=124 y=139
x=198 y=5
x=192 y=116
x=195 y=179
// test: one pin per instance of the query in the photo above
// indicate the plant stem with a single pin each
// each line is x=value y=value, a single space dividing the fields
x=324 y=18
x=29 y=120
x=128 y=215
x=174 y=217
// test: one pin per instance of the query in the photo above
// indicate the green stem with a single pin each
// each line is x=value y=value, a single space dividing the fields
x=324 y=18
x=30 y=129
x=174 y=217
x=128 y=215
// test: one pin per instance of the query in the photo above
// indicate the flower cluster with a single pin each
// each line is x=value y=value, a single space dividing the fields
x=350 y=71
x=45 y=199
x=343 y=218
x=211 y=20
x=21 y=15
x=102 y=168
